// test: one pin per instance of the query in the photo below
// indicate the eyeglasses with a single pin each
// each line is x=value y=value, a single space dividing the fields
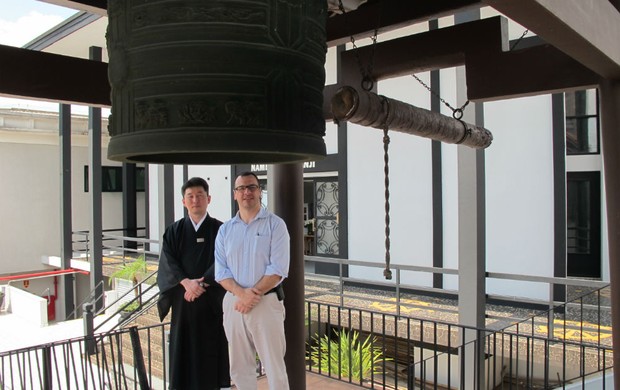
x=251 y=188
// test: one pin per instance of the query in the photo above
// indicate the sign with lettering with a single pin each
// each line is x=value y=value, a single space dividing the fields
x=328 y=164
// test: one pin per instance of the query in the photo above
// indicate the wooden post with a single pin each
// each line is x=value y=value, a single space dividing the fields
x=610 y=132
x=288 y=198
x=370 y=109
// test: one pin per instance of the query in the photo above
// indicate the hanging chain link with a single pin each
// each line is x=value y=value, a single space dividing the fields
x=368 y=81
x=457 y=113
x=341 y=7
x=366 y=71
x=387 y=272
x=519 y=40
x=367 y=85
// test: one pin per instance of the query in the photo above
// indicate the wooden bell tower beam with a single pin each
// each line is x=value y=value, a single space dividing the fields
x=587 y=31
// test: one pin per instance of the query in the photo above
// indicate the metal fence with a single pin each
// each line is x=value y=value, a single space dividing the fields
x=370 y=349
x=409 y=353
x=553 y=348
x=125 y=359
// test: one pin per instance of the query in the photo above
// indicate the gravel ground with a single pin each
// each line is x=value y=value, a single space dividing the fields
x=581 y=319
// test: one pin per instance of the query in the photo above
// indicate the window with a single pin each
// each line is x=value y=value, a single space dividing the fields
x=582 y=122
x=112 y=179
x=583 y=224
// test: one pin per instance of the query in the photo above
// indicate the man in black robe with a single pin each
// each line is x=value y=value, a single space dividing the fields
x=198 y=345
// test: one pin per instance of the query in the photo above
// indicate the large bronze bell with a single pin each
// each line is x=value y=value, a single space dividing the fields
x=216 y=82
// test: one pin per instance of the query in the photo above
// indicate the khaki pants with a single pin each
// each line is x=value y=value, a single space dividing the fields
x=261 y=330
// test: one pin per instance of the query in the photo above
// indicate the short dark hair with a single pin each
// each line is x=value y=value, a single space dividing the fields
x=248 y=173
x=195 y=182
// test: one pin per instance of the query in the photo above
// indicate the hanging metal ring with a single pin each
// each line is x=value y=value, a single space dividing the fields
x=367 y=83
x=466 y=132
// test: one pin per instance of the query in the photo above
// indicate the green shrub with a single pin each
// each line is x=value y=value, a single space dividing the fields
x=346 y=355
x=130 y=306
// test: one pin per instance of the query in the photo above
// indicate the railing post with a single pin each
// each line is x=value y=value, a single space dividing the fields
x=341 y=282
x=123 y=251
x=138 y=358
x=89 y=340
x=46 y=356
x=550 y=316
x=87 y=249
x=398 y=291
x=410 y=376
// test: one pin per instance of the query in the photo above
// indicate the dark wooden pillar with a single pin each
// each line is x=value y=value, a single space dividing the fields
x=66 y=226
x=610 y=134
x=288 y=204
x=94 y=175
x=130 y=209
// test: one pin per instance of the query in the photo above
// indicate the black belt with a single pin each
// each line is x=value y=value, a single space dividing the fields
x=278 y=290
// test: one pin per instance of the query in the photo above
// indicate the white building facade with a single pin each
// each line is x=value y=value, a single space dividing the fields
x=539 y=194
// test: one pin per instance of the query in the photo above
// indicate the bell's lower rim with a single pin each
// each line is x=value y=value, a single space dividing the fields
x=216 y=148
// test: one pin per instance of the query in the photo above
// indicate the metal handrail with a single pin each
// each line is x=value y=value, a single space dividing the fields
x=136 y=298
x=90 y=298
x=400 y=268
x=398 y=286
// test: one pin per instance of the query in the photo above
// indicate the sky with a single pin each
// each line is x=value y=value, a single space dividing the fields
x=21 y=21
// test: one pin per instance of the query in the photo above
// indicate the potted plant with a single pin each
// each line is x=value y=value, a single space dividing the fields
x=131 y=271
x=309 y=227
x=347 y=356
x=127 y=309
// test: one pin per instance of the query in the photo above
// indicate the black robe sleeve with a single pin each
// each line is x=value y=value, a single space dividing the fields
x=169 y=273
x=213 y=225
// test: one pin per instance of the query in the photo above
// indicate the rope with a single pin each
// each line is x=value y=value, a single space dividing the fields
x=387 y=272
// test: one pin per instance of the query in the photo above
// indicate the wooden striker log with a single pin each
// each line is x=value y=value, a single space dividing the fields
x=369 y=109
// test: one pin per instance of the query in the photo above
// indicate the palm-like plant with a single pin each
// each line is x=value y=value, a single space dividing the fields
x=346 y=356
x=131 y=271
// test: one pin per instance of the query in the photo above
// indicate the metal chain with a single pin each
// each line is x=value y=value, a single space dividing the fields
x=457 y=113
x=367 y=84
x=387 y=272
x=366 y=71
x=519 y=40
x=341 y=7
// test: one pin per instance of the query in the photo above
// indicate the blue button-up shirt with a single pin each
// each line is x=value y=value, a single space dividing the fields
x=247 y=252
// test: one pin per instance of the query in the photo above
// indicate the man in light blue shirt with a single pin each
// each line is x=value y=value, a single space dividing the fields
x=252 y=255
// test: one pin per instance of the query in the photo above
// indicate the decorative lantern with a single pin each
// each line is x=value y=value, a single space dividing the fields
x=216 y=82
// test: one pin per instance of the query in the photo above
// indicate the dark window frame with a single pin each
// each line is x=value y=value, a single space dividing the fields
x=585 y=117
x=112 y=179
x=584 y=261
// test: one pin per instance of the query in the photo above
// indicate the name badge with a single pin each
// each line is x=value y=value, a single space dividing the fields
x=200 y=240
